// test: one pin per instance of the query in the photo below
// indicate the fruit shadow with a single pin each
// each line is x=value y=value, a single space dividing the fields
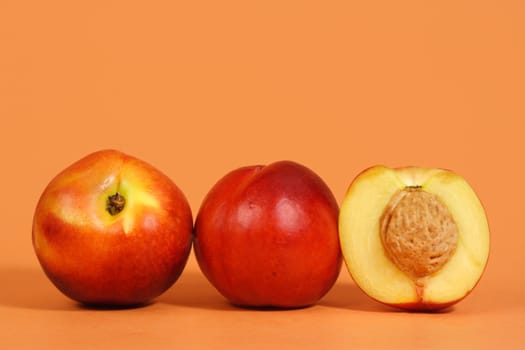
x=28 y=288
x=193 y=290
x=347 y=295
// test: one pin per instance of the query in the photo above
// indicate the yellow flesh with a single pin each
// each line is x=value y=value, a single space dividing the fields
x=374 y=272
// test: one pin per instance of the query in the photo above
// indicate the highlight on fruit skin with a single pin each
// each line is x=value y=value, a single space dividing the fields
x=413 y=238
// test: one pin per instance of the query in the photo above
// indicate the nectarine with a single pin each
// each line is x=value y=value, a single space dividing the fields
x=413 y=238
x=266 y=236
x=112 y=230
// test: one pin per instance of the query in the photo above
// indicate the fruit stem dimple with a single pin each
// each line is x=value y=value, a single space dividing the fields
x=115 y=204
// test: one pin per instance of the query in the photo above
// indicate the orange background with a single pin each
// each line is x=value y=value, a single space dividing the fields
x=199 y=88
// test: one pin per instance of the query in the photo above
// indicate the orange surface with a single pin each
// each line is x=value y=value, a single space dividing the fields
x=199 y=88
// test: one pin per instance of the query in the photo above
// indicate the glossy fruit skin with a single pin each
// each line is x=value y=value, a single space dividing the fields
x=267 y=236
x=101 y=260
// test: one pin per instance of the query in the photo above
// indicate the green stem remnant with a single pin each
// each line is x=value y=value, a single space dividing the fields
x=115 y=204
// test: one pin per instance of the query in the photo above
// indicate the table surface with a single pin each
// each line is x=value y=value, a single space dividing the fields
x=193 y=315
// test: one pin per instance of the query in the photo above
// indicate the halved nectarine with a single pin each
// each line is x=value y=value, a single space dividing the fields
x=413 y=238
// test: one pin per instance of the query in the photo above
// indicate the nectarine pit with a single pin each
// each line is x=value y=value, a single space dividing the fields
x=115 y=203
x=418 y=232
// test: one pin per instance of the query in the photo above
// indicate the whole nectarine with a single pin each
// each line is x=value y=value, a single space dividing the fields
x=266 y=236
x=112 y=230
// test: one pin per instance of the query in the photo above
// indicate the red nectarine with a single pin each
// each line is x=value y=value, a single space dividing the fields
x=112 y=230
x=266 y=236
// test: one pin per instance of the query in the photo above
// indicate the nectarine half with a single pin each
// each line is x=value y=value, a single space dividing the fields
x=413 y=238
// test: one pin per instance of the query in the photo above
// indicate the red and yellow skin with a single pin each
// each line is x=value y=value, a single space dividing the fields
x=96 y=255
